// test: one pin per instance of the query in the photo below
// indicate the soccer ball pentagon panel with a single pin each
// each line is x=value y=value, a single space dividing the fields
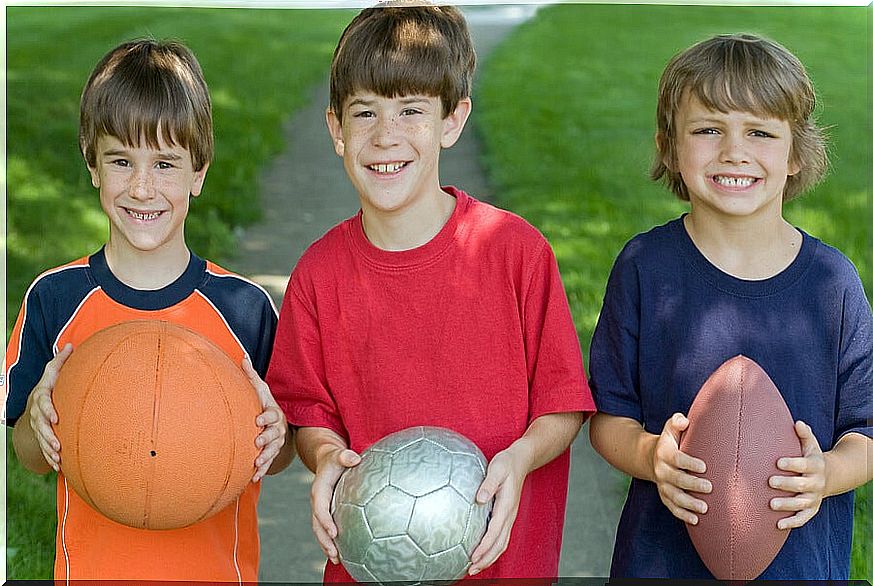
x=408 y=511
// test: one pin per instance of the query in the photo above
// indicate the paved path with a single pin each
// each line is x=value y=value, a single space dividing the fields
x=304 y=192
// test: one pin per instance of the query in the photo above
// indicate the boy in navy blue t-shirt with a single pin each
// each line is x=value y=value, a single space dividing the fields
x=735 y=138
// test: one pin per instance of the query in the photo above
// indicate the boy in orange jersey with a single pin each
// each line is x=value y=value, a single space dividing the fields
x=146 y=136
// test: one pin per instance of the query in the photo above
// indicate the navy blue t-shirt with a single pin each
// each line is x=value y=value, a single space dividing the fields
x=670 y=318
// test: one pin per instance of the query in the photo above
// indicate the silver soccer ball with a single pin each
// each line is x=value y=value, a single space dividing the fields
x=408 y=511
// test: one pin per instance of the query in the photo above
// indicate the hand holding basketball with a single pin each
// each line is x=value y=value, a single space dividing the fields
x=271 y=420
x=42 y=412
x=809 y=484
x=671 y=469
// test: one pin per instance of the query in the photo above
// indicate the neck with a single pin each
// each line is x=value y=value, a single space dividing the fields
x=147 y=271
x=410 y=227
x=747 y=248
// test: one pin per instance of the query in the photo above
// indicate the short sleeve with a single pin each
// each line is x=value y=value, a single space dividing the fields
x=265 y=335
x=27 y=353
x=297 y=375
x=554 y=359
x=614 y=354
x=855 y=377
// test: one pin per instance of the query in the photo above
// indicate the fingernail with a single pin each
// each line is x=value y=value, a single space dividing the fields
x=474 y=571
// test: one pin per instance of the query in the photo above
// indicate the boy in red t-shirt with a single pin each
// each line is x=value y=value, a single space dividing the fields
x=429 y=307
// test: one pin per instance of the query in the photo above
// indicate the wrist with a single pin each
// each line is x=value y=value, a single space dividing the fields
x=522 y=452
x=648 y=447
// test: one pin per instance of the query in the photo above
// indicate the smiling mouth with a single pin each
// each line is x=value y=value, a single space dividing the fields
x=387 y=168
x=727 y=181
x=143 y=216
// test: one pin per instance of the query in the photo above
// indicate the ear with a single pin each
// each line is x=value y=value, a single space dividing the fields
x=454 y=123
x=95 y=176
x=199 y=178
x=794 y=166
x=335 y=128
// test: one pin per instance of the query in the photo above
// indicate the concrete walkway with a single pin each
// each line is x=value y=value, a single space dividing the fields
x=304 y=192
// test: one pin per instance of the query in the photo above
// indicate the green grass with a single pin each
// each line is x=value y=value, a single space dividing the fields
x=567 y=110
x=259 y=65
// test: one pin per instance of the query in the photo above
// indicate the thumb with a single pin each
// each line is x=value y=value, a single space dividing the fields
x=489 y=486
x=808 y=443
x=349 y=458
x=676 y=425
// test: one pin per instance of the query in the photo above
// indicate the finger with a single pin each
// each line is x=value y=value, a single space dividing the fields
x=685 y=462
x=269 y=434
x=491 y=555
x=795 y=484
x=686 y=481
x=269 y=416
x=795 y=521
x=265 y=460
x=683 y=500
x=257 y=382
x=796 y=503
x=324 y=541
x=320 y=499
x=800 y=465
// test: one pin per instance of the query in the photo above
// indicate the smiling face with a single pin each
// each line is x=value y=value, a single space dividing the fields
x=144 y=192
x=733 y=163
x=391 y=146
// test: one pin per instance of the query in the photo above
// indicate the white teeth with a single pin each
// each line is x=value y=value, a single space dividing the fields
x=139 y=216
x=734 y=181
x=387 y=167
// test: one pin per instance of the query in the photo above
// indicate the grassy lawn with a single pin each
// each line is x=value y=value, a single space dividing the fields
x=259 y=65
x=567 y=112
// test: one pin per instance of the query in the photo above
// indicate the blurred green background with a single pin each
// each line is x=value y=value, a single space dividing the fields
x=565 y=108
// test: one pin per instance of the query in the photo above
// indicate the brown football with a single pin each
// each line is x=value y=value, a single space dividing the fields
x=739 y=425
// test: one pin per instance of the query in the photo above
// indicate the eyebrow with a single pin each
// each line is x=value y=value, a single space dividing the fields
x=170 y=156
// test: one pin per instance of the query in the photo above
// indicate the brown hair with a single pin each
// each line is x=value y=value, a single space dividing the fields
x=745 y=73
x=404 y=48
x=142 y=86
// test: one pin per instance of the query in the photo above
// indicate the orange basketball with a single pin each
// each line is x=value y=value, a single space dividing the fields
x=156 y=424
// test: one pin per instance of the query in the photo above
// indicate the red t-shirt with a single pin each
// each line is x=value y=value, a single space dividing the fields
x=471 y=331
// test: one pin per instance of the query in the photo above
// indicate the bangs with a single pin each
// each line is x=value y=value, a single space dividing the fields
x=748 y=77
x=395 y=52
x=413 y=61
x=131 y=115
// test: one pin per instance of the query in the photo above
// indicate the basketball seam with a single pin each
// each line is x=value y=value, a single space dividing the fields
x=156 y=406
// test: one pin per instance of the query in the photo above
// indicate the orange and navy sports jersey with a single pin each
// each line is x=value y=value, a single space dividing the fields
x=71 y=302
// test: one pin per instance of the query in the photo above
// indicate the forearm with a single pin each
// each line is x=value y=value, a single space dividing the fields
x=286 y=454
x=625 y=444
x=546 y=438
x=849 y=464
x=314 y=442
x=27 y=448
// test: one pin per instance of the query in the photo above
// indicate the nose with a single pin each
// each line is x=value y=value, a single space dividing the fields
x=385 y=132
x=734 y=149
x=141 y=185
